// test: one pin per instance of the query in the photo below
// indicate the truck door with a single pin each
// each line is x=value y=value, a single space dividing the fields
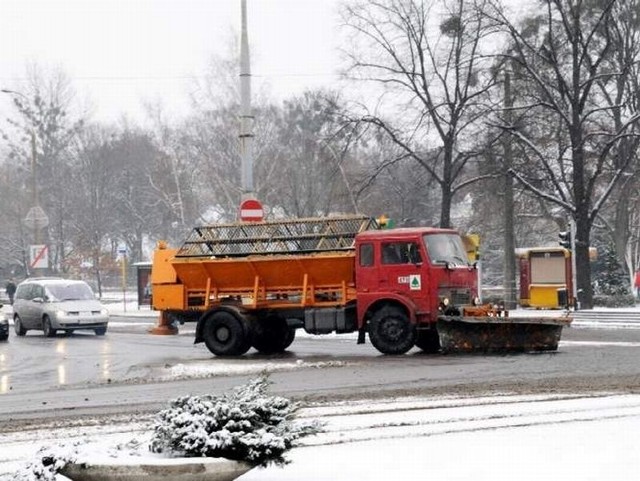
x=400 y=268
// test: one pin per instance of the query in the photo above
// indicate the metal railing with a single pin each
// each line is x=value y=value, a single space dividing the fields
x=275 y=237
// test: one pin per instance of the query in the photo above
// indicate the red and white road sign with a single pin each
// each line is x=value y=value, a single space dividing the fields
x=39 y=256
x=251 y=210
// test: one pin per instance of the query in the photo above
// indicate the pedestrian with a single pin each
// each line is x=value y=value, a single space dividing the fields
x=10 y=289
x=636 y=284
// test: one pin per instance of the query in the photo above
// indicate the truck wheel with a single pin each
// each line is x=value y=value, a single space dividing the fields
x=271 y=334
x=226 y=335
x=391 y=331
x=291 y=335
x=428 y=340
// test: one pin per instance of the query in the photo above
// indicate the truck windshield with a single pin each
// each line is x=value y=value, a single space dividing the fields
x=445 y=248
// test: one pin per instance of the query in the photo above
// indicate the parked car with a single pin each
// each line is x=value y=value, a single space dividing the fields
x=4 y=327
x=52 y=304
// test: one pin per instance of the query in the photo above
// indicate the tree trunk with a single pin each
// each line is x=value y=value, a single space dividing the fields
x=583 y=263
x=621 y=232
x=445 y=185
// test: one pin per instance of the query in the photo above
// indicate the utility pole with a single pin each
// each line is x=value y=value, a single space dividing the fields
x=250 y=207
x=246 y=117
x=509 y=238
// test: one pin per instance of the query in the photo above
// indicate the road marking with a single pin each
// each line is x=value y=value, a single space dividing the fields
x=599 y=343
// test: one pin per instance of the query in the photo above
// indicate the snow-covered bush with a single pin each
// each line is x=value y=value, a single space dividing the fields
x=47 y=463
x=245 y=425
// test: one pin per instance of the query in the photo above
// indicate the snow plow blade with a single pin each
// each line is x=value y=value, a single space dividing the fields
x=500 y=334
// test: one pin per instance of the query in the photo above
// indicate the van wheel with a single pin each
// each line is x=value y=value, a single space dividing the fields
x=391 y=331
x=100 y=331
x=18 y=327
x=46 y=327
x=226 y=335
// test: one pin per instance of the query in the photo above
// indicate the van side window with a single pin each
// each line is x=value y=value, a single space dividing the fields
x=37 y=291
x=366 y=255
x=400 y=253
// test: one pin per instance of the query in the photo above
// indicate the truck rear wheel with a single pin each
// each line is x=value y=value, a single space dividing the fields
x=428 y=340
x=391 y=331
x=272 y=334
x=226 y=335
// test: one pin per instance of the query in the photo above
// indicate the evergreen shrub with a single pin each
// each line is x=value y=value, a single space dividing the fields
x=244 y=425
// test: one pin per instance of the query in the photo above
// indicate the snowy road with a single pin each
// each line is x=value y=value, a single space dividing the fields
x=128 y=370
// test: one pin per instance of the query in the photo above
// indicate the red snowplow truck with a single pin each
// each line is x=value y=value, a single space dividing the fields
x=254 y=284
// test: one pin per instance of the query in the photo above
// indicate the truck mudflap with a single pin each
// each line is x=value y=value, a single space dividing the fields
x=500 y=334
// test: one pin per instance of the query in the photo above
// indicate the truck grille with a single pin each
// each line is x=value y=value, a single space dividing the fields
x=456 y=296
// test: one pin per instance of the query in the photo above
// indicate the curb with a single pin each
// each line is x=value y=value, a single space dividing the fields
x=170 y=469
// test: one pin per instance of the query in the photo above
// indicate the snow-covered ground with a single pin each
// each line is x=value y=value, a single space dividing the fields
x=493 y=438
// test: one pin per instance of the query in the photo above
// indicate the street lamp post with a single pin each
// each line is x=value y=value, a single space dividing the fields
x=36 y=219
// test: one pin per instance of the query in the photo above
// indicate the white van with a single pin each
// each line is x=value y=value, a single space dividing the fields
x=52 y=304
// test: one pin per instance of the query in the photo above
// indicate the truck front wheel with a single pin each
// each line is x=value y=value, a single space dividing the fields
x=226 y=335
x=391 y=331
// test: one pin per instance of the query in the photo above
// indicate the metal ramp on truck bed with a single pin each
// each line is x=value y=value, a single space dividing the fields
x=290 y=236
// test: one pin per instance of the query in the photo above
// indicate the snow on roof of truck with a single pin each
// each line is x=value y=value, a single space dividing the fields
x=404 y=232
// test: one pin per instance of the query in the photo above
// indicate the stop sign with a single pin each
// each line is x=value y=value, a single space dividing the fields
x=251 y=210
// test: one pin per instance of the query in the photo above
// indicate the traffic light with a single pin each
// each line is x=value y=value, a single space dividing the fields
x=565 y=239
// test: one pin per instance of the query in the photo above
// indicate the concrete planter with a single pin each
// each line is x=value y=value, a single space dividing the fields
x=165 y=469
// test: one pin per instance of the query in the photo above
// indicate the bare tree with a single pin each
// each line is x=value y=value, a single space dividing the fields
x=44 y=117
x=308 y=157
x=93 y=206
x=429 y=59
x=560 y=57
x=621 y=93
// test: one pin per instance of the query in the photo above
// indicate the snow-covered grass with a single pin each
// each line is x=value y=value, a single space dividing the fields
x=497 y=438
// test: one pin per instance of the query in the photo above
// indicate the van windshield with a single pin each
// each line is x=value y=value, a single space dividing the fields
x=446 y=248
x=77 y=291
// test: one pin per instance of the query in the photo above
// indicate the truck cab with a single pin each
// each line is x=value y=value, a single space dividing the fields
x=411 y=273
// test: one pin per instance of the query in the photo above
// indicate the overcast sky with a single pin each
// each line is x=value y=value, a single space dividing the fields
x=120 y=52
